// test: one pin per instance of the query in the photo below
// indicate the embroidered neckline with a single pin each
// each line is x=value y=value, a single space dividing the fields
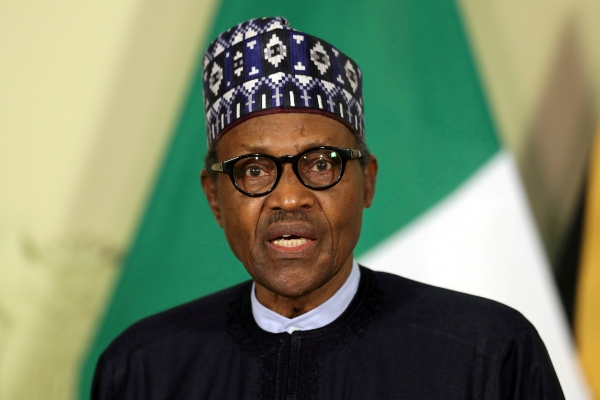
x=267 y=346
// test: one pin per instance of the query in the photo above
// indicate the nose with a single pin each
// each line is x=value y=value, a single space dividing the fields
x=290 y=194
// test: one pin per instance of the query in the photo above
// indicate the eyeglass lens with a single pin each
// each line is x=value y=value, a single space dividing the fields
x=317 y=168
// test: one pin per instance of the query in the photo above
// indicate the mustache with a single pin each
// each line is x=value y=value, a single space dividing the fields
x=285 y=216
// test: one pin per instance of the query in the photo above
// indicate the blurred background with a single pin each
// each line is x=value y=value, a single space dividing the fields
x=102 y=219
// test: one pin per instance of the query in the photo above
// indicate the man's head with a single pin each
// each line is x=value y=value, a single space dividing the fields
x=321 y=227
x=295 y=239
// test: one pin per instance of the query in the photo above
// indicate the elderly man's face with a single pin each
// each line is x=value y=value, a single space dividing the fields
x=326 y=223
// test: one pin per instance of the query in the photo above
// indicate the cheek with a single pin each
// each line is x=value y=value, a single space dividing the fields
x=344 y=210
x=240 y=218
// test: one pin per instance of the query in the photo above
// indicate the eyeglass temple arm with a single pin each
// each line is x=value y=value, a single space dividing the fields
x=217 y=167
x=355 y=153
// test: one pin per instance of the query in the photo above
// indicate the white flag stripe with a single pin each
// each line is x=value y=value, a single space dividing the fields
x=482 y=240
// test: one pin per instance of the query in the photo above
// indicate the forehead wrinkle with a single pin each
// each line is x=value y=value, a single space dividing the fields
x=301 y=133
x=251 y=145
x=303 y=129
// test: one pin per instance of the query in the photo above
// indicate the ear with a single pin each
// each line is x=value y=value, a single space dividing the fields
x=370 y=175
x=210 y=191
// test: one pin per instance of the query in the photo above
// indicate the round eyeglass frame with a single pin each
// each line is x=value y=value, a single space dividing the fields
x=227 y=167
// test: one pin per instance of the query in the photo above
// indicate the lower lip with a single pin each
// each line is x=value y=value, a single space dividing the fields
x=292 y=250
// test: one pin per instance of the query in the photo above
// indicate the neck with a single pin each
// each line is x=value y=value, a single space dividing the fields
x=291 y=307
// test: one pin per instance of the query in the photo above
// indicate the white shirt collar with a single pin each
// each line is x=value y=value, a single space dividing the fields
x=323 y=315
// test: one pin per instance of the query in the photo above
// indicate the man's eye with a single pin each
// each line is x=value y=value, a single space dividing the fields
x=255 y=172
x=321 y=165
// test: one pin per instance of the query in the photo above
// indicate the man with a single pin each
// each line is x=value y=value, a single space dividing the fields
x=287 y=178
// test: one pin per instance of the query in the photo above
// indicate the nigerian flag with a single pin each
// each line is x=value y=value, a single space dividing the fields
x=449 y=208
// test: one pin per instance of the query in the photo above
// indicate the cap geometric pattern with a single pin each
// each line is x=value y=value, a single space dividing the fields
x=263 y=66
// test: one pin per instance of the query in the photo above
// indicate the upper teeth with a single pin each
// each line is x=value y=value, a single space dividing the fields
x=285 y=242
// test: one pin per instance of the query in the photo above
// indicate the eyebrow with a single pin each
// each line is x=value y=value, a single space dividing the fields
x=254 y=148
x=265 y=150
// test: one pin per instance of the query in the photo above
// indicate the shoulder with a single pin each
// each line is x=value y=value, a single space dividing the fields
x=197 y=318
x=458 y=314
x=473 y=330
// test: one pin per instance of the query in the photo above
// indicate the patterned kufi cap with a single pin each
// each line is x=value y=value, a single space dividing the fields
x=263 y=66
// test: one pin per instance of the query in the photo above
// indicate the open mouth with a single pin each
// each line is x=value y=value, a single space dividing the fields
x=290 y=241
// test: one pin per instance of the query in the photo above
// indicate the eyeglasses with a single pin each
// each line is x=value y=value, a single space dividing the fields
x=318 y=168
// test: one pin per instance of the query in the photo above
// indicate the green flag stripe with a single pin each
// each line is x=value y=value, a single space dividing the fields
x=426 y=120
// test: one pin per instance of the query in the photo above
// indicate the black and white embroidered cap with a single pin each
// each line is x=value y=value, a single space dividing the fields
x=263 y=66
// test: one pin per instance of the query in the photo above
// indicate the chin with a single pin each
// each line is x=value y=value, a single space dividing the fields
x=292 y=282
